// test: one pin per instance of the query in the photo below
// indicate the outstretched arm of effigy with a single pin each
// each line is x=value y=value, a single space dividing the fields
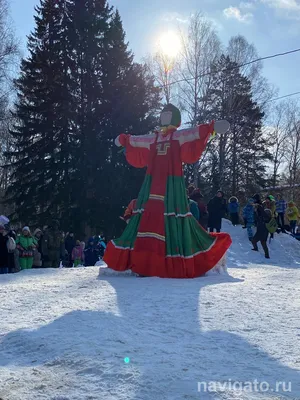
x=142 y=141
x=137 y=148
x=194 y=140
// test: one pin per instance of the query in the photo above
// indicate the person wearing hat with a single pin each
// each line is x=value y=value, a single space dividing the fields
x=3 y=251
x=26 y=246
x=270 y=204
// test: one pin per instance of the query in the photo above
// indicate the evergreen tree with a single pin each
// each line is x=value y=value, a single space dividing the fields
x=43 y=136
x=78 y=89
x=241 y=152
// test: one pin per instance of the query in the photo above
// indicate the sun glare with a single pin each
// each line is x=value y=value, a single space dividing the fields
x=169 y=44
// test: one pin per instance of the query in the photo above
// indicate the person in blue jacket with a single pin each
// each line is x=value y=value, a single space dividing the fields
x=249 y=217
x=233 y=210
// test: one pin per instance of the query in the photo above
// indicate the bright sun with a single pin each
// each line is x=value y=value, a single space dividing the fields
x=169 y=44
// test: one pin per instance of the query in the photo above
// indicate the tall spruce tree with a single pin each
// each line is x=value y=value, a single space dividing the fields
x=79 y=89
x=43 y=135
x=236 y=159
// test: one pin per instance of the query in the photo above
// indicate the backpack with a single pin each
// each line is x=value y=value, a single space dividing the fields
x=272 y=225
x=11 y=245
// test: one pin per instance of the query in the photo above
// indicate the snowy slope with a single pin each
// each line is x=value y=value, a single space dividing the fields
x=64 y=334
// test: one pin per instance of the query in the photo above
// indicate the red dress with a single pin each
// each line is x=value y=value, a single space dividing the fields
x=163 y=238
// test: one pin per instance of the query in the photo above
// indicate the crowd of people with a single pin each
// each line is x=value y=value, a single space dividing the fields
x=265 y=216
x=51 y=248
x=46 y=248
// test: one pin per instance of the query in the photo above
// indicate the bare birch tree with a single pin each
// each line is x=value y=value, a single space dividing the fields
x=163 y=67
x=277 y=129
x=200 y=48
x=9 y=61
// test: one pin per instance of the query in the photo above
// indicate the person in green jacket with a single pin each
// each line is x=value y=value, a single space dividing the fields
x=26 y=245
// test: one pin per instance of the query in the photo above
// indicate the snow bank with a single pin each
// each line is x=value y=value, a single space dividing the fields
x=70 y=334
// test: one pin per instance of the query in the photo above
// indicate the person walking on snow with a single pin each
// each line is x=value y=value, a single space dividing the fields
x=26 y=246
x=248 y=215
x=281 y=207
x=233 y=209
x=263 y=216
x=292 y=215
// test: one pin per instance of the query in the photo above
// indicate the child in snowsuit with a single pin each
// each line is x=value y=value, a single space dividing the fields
x=233 y=209
x=248 y=215
x=293 y=215
x=263 y=216
x=77 y=254
x=26 y=246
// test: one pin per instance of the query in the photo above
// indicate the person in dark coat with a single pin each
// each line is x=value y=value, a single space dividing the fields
x=262 y=217
x=257 y=199
x=91 y=254
x=3 y=251
x=217 y=208
x=70 y=243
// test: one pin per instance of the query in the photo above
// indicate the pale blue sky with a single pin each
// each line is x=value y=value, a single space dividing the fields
x=272 y=25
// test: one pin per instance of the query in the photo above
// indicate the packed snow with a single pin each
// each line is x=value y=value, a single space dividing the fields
x=77 y=335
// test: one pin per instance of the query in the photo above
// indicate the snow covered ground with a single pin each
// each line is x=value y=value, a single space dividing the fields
x=64 y=334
